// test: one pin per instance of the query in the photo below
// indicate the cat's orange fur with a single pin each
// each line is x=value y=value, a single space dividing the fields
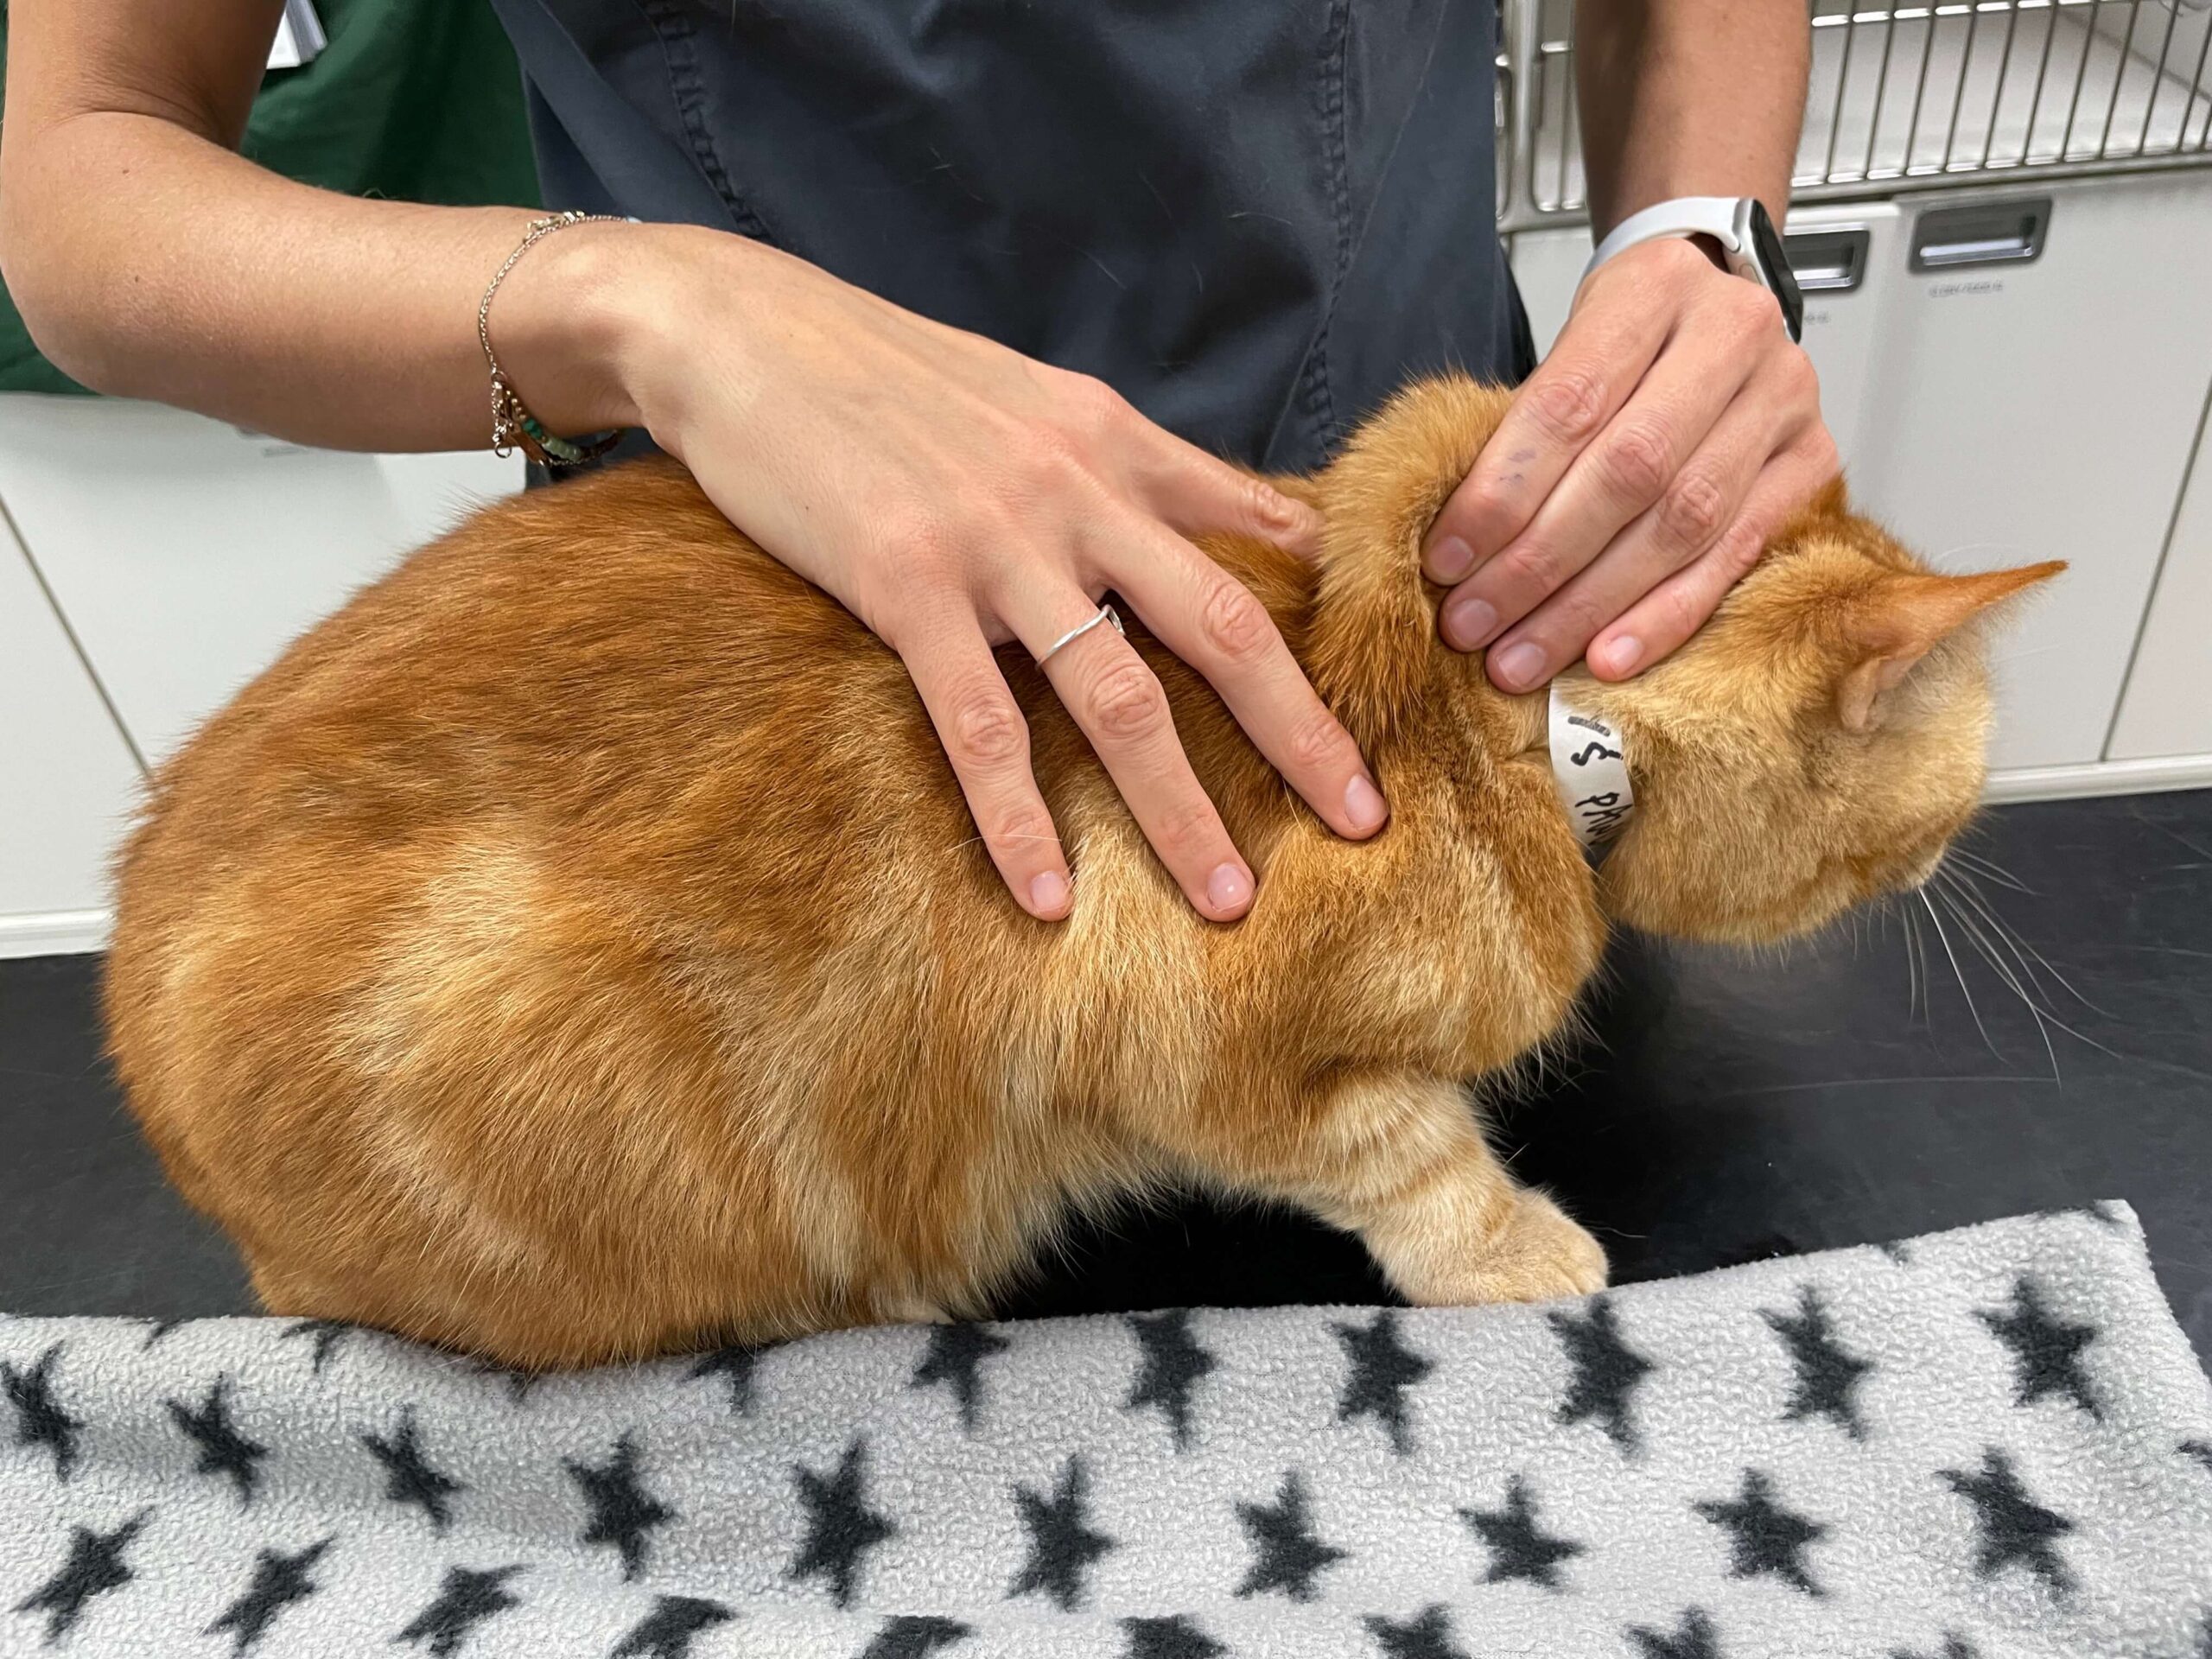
x=577 y=947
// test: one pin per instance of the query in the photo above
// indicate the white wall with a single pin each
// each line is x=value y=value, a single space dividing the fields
x=66 y=776
x=184 y=555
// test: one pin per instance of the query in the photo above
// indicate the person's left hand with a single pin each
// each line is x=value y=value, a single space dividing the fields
x=1638 y=475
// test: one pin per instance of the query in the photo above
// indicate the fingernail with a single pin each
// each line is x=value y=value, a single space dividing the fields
x=1519 y=666
x=1623 y=654
x=1450 y=560
x=1048 y=894
x=1363 y=805
x=1228 y=887
x=1468 y=621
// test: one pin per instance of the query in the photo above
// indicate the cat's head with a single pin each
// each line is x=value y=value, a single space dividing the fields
x=1817 y=744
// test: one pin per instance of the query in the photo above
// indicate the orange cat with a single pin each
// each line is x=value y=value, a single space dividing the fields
x=577 y=947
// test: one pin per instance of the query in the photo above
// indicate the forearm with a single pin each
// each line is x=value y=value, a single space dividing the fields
x=151 y=262
x=1684 y=98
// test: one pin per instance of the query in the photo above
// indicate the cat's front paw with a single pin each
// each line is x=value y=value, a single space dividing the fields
x=1539 y=1256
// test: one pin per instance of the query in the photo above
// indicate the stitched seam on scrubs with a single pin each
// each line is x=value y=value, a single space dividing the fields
x=673 y=28
x=1320 y=402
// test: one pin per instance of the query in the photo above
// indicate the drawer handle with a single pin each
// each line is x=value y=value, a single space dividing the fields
x=1981 y=233
x=1830 y=261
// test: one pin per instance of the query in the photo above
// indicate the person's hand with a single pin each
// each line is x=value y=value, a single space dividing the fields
x=1639 y=472
x=953 y=495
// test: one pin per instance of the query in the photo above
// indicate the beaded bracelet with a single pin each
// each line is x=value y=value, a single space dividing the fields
x=513 y=427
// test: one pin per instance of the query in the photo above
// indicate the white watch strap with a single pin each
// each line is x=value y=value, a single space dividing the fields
x=1717 y=217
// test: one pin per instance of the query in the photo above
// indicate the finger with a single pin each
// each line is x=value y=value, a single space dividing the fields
x=1123 y=708
x=1211 y=621
x=1193 y=493
x=1598 y=360
x=987 y=742
x=1698 y=504
x=1620 y=474
x=1657 y=624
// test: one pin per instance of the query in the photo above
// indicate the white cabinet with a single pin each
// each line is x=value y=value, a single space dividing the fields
x=2168 y=707
x=1547 y=266
x=186 y=553
x=67 y=777
x=2043 y=407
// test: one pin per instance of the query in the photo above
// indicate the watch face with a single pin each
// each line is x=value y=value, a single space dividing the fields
x=1774 y=259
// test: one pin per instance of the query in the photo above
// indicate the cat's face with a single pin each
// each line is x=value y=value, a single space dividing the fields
x=1817 y=746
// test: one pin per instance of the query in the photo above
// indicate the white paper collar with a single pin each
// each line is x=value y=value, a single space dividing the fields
x=1590 y=766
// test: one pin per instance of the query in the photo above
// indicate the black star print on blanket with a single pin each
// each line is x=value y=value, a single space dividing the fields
x=1828 y=1373
x=410 y=1477
x=841 y=1528
x=40 y=1420
x=915 y=1636
x=1062 y=1543
x=1519 y=1548
x=223 y=1450
x=1428 y=1637
x=465 y=1599
x=1382 y=1368
x=95 y=1566
x=1606 y=1371
x=955 y=1359
x=1173 y=1637
x=667 y=1632
x=623 y=1513
x=1286 y=1552
x=279 y=1580
x=1174 y=1364
x=2013 y=1527
x=2047 y=1351
x=1764 y=1536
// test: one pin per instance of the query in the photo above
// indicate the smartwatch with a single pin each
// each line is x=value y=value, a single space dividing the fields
x=1740 y=224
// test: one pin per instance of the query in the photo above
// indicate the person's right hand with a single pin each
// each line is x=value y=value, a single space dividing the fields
x=953 y=495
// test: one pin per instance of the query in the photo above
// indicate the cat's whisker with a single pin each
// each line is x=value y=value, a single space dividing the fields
x=1911 y=969
x=2019 y=943
x=1920 y=955
x=1929 y=904
x=1988 y=867
x=2042 y=1011
x=1962 y=898
x=1917 y=957
x=1981 y=942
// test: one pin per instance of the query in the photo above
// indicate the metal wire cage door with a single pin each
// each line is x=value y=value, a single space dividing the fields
x=1967 y=91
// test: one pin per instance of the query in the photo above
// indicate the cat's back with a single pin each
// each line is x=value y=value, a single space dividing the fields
x=607 y=652
x=594 y=718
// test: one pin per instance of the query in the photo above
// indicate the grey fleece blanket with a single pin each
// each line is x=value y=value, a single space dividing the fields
x=1991 y=1442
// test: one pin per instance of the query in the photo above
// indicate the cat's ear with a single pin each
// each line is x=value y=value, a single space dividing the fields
x=1906 y=616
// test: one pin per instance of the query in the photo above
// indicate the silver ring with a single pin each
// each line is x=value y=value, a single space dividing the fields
x=1106 y=614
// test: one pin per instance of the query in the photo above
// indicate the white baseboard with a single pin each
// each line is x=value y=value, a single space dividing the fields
x=56 y=933
x=2100 y=778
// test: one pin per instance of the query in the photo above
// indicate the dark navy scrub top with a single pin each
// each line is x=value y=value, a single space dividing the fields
x=1253 y=217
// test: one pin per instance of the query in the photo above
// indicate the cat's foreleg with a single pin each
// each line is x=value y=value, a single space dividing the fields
x=1410 y=1172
